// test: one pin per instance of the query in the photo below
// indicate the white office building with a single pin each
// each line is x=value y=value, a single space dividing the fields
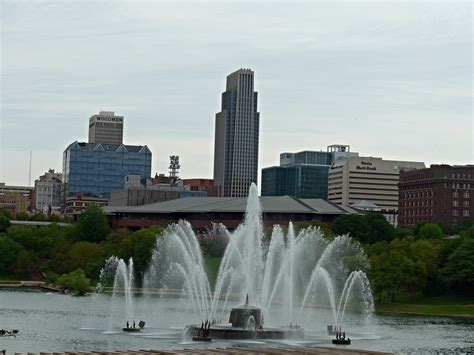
x=48 y=191
x=370 y=179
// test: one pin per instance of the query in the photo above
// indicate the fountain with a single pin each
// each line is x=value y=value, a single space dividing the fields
x=278 y=277
x=123 y=279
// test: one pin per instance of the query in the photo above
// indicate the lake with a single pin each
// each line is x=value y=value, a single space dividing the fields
x=55 y=322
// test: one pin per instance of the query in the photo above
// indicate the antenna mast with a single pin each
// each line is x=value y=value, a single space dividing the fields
x=174 y=168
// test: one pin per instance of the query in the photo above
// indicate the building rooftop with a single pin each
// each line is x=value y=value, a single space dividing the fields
x=269 y=204
x=108 y=147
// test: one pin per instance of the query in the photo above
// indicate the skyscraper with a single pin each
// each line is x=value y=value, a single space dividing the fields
x=301 y=175
x=94 y=169
x=236 y=136
x=105 y=127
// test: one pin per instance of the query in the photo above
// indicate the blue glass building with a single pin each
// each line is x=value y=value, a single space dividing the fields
x=301 y=175
x=95 y=169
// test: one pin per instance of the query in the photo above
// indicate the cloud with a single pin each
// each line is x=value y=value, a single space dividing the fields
x=382 y=77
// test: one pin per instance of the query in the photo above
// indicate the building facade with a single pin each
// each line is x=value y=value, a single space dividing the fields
x=440 y=194
x=74 y=205
x=17 y=198
x=105 y=127
x=206 y=185
x=367 y=178
x=303 y=175
x=138 y=192
x=203 y=212
x=48 y=190
x=237 y=136
x=94 y=169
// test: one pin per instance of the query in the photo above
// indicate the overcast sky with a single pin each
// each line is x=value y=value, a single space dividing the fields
x=391 y=79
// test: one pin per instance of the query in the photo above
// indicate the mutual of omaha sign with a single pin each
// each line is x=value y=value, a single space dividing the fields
x=365 y=165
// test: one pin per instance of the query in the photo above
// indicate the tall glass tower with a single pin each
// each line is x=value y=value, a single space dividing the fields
x=236 y=136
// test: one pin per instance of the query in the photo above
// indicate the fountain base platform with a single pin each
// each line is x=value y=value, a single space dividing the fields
x=341 y=341
x=202 y=339
x=222 y=331
x=131 y=330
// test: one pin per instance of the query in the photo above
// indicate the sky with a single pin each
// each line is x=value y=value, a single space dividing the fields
x=390 y=79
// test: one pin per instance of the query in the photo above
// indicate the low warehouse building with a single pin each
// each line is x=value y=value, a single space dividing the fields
x=201 y=212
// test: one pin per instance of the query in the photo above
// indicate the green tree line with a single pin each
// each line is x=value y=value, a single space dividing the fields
x=71 y=255
x=428 y=260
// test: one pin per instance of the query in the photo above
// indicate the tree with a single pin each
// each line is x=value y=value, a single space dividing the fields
x=76 y=281
x=468 y=233
x=4 y=223
x=430 y=231
x=378 y=228
x=41 y=241
x=368 y=228
x=353 y=224
x=459 y=269
x=87 y=256
x=9 y=251
x=6 y=213
x=22 y=216
x=139 y=246
x=213 y=245
x=54 y=218
x=114 y=240
x=39 y=217
x=404 y=265
x=67 y=219
x=25 y=264
x=92 y=225
x=324 y=227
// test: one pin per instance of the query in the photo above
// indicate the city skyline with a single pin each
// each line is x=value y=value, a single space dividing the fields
x=387 y=81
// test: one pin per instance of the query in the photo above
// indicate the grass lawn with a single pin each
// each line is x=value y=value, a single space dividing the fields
x=445 y=306
x=9 y=282
x=212 y=268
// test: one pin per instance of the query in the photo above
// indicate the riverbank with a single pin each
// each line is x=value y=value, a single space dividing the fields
x=433 y=306
x=25 y=285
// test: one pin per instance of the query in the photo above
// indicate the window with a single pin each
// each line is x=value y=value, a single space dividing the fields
x=455 y=212
x=465 y=213
x=455 y=203
x=455 y=194
x=466 y=203
x=466 y=195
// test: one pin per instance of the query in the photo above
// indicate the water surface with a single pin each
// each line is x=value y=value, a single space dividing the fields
x=56 y=322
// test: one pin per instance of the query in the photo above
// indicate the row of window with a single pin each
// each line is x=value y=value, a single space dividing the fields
x=457 y=185
x=417 y=194
x=456 y=213
x=460 y=176
x=465 y=203
x=464 y=195
x=418 y=212
x=416 y=203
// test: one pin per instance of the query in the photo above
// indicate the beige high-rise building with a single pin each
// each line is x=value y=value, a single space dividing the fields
x=106 y=128
x=367 y=179
x=236 y=136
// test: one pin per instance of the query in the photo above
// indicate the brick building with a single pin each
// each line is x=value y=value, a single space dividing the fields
x=206 y=185
x=17 y=198
x=439 y=194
